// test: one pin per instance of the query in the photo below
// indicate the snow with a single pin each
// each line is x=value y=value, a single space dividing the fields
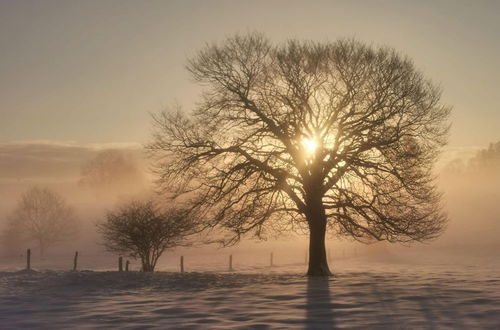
x=364 y=294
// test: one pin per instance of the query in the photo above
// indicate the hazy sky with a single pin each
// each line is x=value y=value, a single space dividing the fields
x=92 y=71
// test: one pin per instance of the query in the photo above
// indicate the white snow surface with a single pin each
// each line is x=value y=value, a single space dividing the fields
x=363 y=294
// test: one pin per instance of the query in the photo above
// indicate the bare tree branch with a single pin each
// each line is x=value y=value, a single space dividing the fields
x=342 y=133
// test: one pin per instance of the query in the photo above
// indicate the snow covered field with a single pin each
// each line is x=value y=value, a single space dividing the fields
x=363 y=294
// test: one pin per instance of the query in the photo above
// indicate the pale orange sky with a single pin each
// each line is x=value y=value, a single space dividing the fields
x=92 y=71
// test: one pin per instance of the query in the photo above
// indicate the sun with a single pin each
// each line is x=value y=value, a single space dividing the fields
x=310 y=145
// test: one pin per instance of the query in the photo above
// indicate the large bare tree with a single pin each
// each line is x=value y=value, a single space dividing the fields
x=336 y=135
x=44 y=216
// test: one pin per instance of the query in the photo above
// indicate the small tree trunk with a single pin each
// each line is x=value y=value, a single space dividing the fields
x=148 y=261
x=182 y=264
x=149 y=267
x=230 y=262
x=318 y=263
x=120 y=264
x=126 y=265
x=75 y=261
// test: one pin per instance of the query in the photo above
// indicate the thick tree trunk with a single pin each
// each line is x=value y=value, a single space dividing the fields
x=318 y=263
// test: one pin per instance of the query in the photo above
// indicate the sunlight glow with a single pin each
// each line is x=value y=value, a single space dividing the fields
x=310 y=145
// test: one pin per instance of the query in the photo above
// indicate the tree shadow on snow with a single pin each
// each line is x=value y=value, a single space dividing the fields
x=319 y=308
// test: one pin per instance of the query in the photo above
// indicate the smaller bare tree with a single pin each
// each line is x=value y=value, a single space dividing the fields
x=44 y=216
x=141 y=230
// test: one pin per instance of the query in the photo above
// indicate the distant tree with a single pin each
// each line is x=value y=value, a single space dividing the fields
x=472 y=190
x=112 y=171
x=308 y=135
x=487 y=160
x=141 y=230
x=485 y=163
x=44 y=216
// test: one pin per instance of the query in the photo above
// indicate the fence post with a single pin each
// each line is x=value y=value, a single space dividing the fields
x=28 y=259
x=230 y=262
x=120 y=264
x=182 y=264
x=75 y=261
x=272 y=261
x=126 y=265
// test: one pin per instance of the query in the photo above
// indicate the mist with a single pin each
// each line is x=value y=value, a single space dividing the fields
x=469 y=180
x=129 y=129
x=472 y=191
x=61 y=168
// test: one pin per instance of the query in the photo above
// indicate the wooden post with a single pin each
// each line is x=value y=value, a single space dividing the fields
x=182 y=264
x=120 y=264
x=126 y=265
x=272 y=261
x=28 y=259
x=75 y=261
x=230 y=262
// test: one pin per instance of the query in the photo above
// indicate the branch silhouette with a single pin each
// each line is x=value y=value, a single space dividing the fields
x=373 y=126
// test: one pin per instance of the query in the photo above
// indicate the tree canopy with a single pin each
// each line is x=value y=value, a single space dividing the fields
x=305 y=135
x=142 y=230
x=44 y=216
x=113 y=171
